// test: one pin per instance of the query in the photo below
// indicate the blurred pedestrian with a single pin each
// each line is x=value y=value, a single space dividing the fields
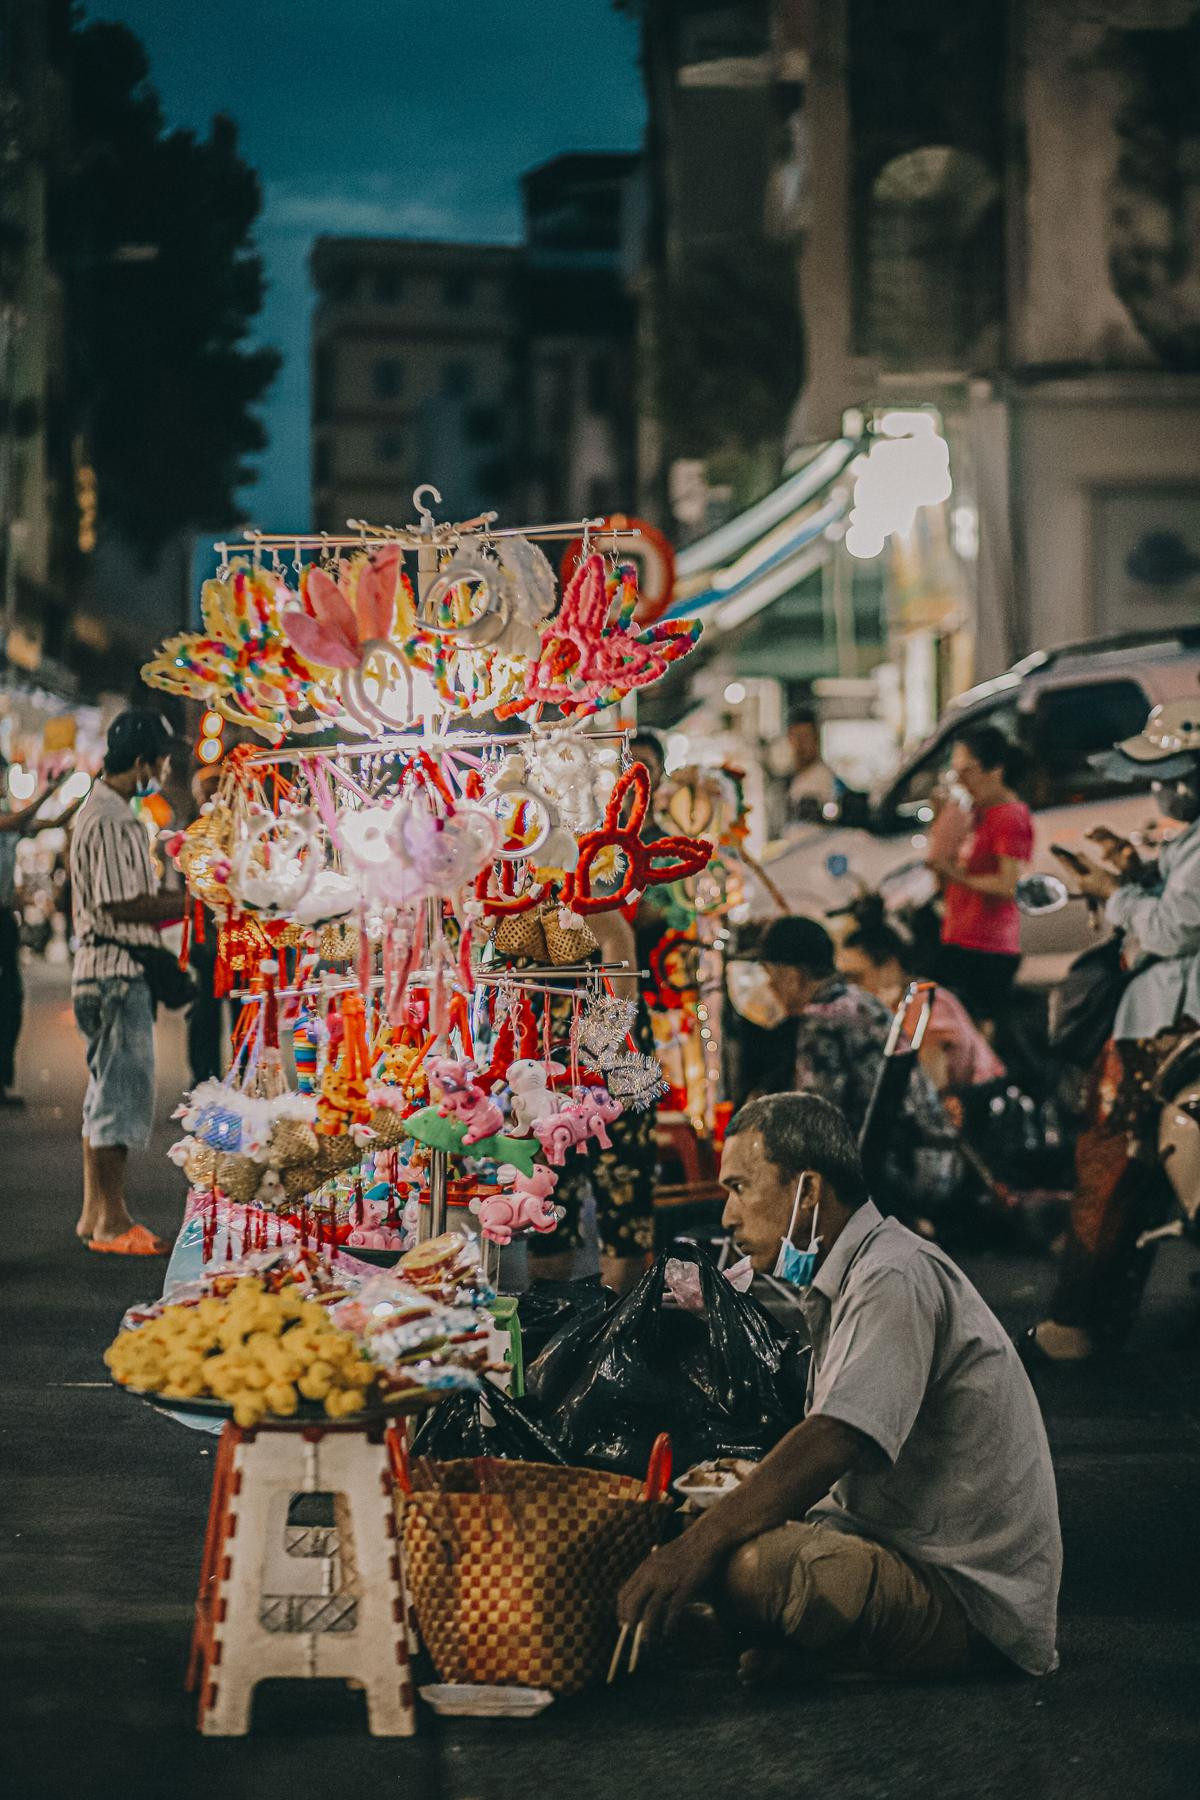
x=646 y=747
x=981 y=928
x=648 y=914
x=841 y=1029
x=1120 y=1187
x=13 y=827
x=813 y=784
x=117 y=909
x=206 y=1014
x=621 y=1177
x=955 y=1053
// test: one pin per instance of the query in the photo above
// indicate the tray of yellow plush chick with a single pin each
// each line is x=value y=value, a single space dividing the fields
x=267 y=1342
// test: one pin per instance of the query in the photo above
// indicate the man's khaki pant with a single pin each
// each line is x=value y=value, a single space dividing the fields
x=852 y=1603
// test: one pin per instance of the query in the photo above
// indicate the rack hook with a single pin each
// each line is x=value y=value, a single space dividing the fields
x=423 y=511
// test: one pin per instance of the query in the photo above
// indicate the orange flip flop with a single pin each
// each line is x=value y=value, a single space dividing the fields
x=137 y=1241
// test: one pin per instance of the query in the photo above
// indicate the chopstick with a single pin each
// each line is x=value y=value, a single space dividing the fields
x=622 y=1638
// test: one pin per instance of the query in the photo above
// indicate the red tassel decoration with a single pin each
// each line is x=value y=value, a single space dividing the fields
x=269 y=970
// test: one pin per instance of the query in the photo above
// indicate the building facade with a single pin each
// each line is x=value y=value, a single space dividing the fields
x=1003 y=222
x=414 y=360
x=37 y=510
x=501 y=373
x=577 y=340
x=990 y=215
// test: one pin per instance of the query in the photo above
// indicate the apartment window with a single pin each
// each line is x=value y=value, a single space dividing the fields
x=342 y=284
x=387 y=378
x=483 y=425
x=458 y=290
x=323 y=373
x=389 y=447
x=458 y=380
x=388 y=287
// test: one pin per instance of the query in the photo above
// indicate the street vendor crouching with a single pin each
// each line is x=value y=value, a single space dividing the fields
x=909 y=1524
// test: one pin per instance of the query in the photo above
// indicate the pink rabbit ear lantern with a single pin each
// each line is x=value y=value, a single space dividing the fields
x=348 y=626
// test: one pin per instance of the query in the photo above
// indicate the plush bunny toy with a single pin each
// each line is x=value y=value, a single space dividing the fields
x=531 y=1096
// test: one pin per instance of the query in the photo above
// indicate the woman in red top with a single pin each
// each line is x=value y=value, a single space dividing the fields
x=981 y=926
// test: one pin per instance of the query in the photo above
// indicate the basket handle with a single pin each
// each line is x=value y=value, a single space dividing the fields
x=658 y=1472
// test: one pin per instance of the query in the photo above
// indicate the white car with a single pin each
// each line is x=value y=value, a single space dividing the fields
x=1062 y=706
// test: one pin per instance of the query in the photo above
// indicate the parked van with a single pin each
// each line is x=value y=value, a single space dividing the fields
x=1062 y=706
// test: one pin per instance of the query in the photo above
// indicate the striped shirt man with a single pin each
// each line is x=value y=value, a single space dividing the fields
x=110 y=862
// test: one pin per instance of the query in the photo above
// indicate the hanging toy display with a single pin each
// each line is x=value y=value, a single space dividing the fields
x=587 y=659
x=243 y=663
x=687 y=964
x=371 y=896
x=347 y=624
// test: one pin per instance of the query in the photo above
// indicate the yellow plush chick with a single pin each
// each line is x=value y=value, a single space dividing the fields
x=317 y=1380
x=341 y=1401
x=258 y=1352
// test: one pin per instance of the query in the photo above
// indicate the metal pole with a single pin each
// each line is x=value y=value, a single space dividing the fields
x=433 y=1216
x=843 y=613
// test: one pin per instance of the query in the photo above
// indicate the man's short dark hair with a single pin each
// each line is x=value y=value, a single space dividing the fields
x=135 y=733
x=648 y=740
x=879 y=944
x=798 y=944
x=803 y=715
x=802 y=1131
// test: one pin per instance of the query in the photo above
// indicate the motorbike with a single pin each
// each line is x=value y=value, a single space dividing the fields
x=1177 y=1092
x=1177 y=1089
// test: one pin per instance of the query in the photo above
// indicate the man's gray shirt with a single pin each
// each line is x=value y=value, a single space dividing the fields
x=906 y=1351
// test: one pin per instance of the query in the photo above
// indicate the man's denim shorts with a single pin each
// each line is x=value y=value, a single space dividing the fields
x=117 y=1021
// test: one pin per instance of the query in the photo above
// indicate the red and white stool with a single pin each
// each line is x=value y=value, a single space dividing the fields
x=304 y=1590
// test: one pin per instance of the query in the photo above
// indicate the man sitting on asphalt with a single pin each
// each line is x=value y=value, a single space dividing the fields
x=909 y=1524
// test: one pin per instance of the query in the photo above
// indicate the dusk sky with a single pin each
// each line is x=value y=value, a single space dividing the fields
x=381 y=117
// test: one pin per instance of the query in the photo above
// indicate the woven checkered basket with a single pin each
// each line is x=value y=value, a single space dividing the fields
x=515 y=1567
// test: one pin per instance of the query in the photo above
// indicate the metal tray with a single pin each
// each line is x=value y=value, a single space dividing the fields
x=308 y=1412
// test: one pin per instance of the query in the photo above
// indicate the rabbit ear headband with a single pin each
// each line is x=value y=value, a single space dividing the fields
x=241 y=663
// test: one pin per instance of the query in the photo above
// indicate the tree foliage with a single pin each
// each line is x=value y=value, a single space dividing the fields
x=153 y=231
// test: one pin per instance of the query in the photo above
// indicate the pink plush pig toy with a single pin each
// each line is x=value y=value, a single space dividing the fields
x=525 y=1205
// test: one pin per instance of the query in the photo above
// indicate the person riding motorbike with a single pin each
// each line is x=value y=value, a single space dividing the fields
x=1120 y=1188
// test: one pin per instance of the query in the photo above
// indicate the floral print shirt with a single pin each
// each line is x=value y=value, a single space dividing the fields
x=839 y=1047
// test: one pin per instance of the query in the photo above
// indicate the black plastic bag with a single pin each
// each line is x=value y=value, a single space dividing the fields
x=546 y=1306
x=726 y=1381
x=1084 y=1007
x=1018 y=1141
x=456 y=1429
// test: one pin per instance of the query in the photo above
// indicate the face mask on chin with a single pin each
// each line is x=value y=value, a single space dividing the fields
x=145 y=788
x=797 y=1267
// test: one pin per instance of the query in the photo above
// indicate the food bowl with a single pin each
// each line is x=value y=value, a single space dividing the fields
x=467 y=1700
x=707 y=1482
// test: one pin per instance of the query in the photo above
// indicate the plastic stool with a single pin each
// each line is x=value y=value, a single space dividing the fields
x=302 y=1588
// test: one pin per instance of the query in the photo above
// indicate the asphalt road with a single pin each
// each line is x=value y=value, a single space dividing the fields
x=103 y=1516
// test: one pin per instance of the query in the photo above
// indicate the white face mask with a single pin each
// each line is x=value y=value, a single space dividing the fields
x=797 y=1267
